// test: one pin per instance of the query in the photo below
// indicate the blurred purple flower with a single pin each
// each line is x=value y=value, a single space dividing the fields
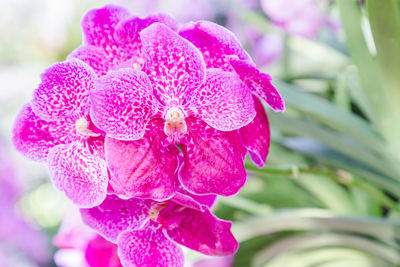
x=226 y=261
x=15 y=230
x=267 y=49
x=299 y=17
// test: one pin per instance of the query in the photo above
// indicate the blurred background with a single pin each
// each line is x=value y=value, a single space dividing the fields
x=329 y=193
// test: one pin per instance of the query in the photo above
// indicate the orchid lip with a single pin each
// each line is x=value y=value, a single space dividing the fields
x=175 y=123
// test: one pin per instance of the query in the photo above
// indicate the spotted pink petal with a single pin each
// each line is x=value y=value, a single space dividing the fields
x=259 y=83
x=148 y=247
x=34 y=137
x=80 y=174
x=173 y=64
x=116 y=215
x=186 y=201
x=198 y=230
x=64 y=91
x=223 y=101
x=127 y=34
x=101 y=253
x=213 y=161
x=94 y=56
x=255 y=136
x=98 y=27
x=215 y=42
x=143 y=168
x=122 y=104
x=207 y=200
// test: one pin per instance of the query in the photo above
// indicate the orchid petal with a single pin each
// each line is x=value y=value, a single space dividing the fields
x=186 y=201
x=198 y=230
x=143 y=168
x=173 y=64
x=259 y=83
x=185 y=198
x=122 y=104
x=94 y=56
x=148 y=248
x=64 y=91
x=127 y=34
x=223 y=101
x=116 y=215
x=98 y=26
x=34 y=137
x=101 y=253
x=215 y=42
x=213 y=161
x=255 y=136
x=80 y=174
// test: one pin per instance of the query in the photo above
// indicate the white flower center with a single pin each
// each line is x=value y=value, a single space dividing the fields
x=175 y=124
x=82 y=127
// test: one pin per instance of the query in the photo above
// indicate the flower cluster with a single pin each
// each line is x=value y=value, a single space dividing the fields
x=144 y=124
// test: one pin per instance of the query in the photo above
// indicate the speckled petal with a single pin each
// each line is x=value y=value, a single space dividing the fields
x=213 y=161
x=143 y=168
x=94 y=56
x=198 y=230
x=215 y=42
x=255 y=136
x=207 y=200
x=81 y=175
x=98 y=26
x=122 y=104
x=34 y=137
x=182 y=195
x=186 y=201
x=223 y=101
x=148 y=248
x=173 y=64
x=259 y=83
x=127 y=34
x=64 y=91
x=116 y=215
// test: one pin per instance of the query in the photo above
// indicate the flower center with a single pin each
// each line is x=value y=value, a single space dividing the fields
x=82 y=127
x=175 y=125
x=155 y=210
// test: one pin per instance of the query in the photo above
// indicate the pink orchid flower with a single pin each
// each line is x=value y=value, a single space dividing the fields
x=180 y=88
x=148 y=232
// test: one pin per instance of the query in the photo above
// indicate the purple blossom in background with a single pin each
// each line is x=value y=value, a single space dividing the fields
x=143 y=229
x=267 y=49
x=300 y=17
x=226 y=261
x=15 y=230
